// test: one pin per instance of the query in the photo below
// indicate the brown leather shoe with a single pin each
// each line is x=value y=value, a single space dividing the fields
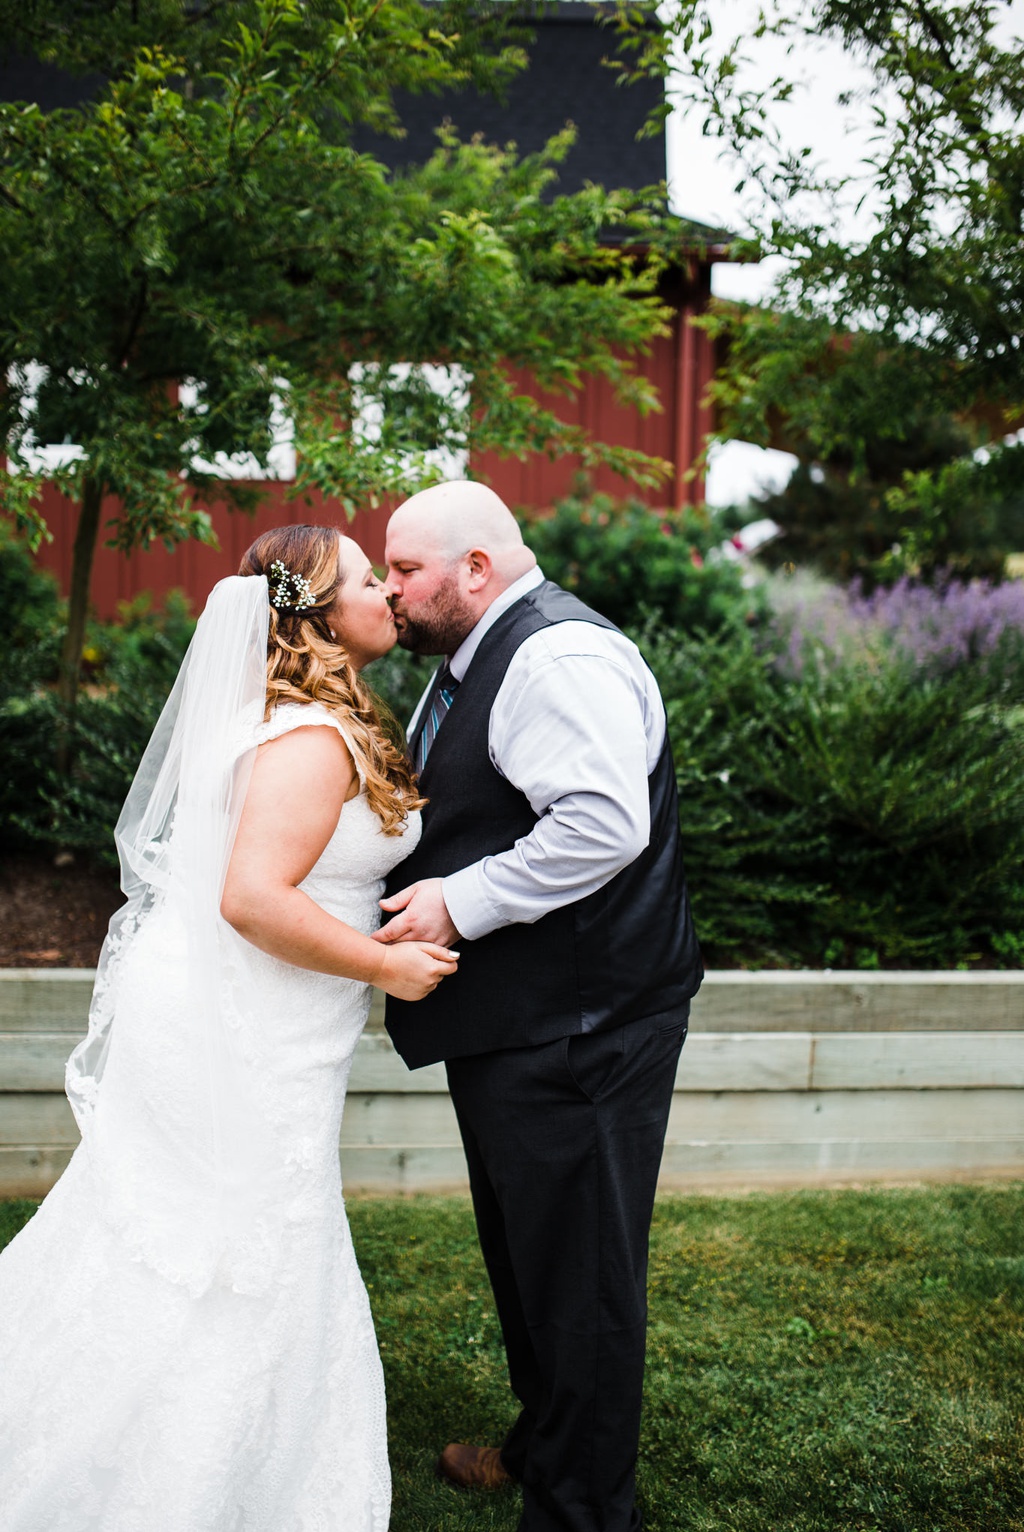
x=472 y=1467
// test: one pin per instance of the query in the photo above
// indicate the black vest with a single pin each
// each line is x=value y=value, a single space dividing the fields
x=625 y=953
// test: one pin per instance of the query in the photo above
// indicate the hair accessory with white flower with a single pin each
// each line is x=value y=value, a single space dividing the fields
x=287 y=589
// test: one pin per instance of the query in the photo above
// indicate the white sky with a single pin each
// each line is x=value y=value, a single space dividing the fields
x=702 y=180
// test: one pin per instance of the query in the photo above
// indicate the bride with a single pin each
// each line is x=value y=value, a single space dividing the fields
x=185 y=1340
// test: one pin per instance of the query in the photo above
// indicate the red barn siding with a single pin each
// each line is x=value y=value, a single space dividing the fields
x=538 y=481
x=680 y=365
x=191 y=566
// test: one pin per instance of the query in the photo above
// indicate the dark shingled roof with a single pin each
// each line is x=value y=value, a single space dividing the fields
x=23 y=78
x=565 y=82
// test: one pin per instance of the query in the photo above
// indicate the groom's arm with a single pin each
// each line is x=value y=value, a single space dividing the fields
x=576 y=732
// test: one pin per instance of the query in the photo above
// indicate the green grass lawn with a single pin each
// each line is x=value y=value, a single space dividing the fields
x=848 y=1361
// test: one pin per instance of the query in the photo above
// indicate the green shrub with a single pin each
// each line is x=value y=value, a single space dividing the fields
x=29 y=599
x=847 y=815
x=33 y=616
x=624 y=559
x=399 y=679
x=145 y=645
x=129 y=669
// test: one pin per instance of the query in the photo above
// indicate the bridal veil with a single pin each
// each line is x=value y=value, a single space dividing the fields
x=173 y=1117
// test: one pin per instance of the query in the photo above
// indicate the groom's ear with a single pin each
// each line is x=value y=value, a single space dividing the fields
x=480 y=568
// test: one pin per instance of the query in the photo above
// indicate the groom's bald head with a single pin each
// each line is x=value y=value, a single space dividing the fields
x=451 y=550
x=457 y=516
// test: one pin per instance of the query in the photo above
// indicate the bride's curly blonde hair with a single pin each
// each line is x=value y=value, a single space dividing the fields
x=305 y=663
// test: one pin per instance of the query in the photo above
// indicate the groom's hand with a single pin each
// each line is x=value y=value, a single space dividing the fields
x=420 y=914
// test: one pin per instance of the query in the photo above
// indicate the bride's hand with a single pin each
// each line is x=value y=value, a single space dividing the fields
x=411 y=970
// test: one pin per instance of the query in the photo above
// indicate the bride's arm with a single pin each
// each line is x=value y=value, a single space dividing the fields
x=296 y=793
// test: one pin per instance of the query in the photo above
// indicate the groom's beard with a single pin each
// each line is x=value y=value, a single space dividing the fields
x=440 y=627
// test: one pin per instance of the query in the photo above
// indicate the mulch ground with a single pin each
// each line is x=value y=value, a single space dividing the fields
x=53 y=916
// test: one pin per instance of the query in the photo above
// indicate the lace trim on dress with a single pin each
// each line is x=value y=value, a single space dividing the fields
x=300 y=715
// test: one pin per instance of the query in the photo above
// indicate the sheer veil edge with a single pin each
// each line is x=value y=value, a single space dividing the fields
x=165 y=1086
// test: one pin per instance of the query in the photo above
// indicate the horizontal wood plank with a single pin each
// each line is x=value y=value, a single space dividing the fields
x=745 y=1061
x=31 y=1171
x=57 y=999
x=375 y=1020
x=784 y=1001
x=737 y=1061
x=391 y=1169
x=882 y=1115
x=418 y=1166
x=379 y=1118
x=33 y=1061
x=37 y=1118
x=916 y=1061
x=798 y=1077
x=394 y=1170
x=377 y=1066
x=51 y=999
x=749 y=1061
x=834 y=1161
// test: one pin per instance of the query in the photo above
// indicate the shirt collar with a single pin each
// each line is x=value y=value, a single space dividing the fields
x=460 y=660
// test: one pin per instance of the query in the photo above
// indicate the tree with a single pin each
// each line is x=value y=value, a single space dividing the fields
x=919 y=316
x=887 y=481
x=203 y=220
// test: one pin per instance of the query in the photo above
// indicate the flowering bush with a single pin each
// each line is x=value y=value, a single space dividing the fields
x=935 y=628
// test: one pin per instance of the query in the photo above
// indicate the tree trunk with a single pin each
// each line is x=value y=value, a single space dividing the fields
x=78 y=610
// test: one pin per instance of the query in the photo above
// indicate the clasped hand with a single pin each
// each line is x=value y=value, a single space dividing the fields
x=418 y=939
x=419 y=914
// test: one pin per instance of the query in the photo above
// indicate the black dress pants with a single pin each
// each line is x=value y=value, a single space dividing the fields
x=564 y=1142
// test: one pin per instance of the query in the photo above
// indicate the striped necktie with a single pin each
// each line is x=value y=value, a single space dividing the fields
x=440 y=701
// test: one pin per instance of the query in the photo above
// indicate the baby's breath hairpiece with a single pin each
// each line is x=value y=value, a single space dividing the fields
x=287 y=589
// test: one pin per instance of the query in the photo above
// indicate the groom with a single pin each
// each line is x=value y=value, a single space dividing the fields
x=551 y=855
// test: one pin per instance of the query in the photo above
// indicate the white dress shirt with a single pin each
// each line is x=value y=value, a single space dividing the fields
x=577 y=726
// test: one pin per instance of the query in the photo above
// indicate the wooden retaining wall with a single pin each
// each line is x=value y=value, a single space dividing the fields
x=803 y=1078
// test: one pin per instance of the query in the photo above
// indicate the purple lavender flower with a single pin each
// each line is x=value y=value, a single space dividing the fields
x=945 y=626
x=937 y=628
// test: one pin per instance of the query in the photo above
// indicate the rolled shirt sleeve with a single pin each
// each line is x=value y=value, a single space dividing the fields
x=576 y=726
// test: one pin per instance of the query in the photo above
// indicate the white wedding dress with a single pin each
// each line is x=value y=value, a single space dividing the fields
x=134 y=1399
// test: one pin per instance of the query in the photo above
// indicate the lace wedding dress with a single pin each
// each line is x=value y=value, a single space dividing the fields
x=138 y=1394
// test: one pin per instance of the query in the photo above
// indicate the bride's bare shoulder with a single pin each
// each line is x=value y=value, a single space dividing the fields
x=308 y=742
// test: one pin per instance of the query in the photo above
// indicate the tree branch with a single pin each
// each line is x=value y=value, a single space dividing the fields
x=12 y=201
x=971 y=121
x=136 y=321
